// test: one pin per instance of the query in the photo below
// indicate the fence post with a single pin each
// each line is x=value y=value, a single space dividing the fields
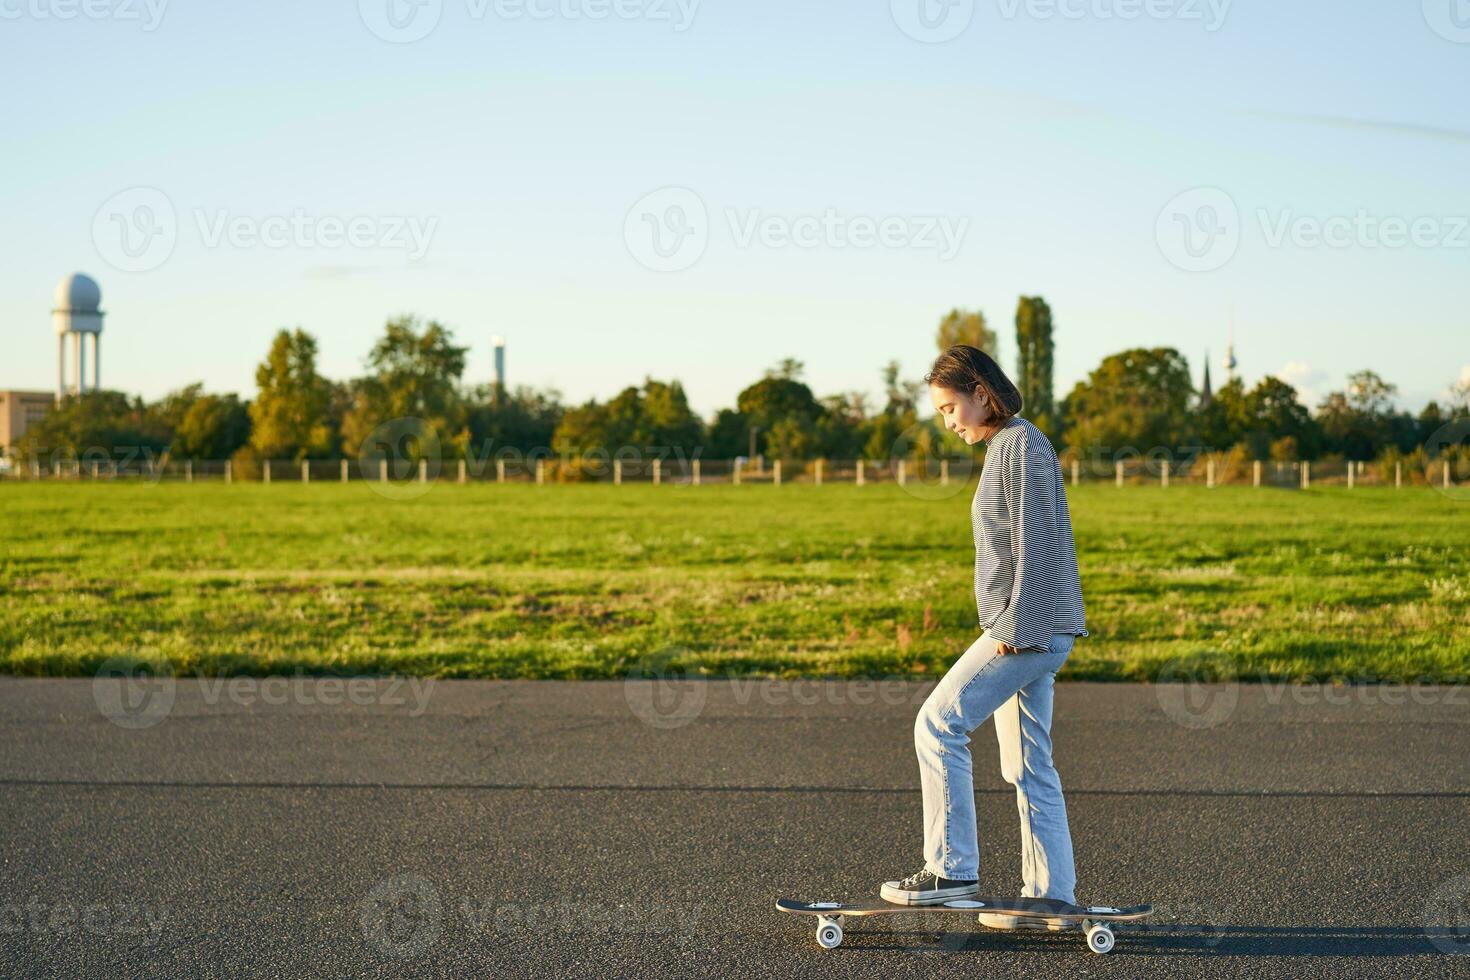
x=540 y=472
x=267 y=471
x=1118 y=472
x=1446 y=472
x=189 y=471
x=1164 y=474
x=1350 y=474
x=1306 y=474
x=819 y=472
x=696 y=472
x=382 y=471
x=462 y=469
x=776 y=472
x=1398 y=474
x=343 y=468
x=944 y=472
x=500 y=471
x=617 y=472
x=1210 y=472
x=902 y=472
x=1256 y=472
x=1075 y=470
x=735 y=474
x=859 y=472
x=229 y=471
x=423 y=470
x=306 y=471
x=658 y=472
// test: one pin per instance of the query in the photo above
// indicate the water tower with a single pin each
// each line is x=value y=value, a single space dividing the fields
x=77 y=316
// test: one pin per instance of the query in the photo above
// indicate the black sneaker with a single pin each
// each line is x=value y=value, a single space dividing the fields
x=927 y=888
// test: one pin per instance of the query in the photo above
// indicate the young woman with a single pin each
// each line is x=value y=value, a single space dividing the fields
x=1029 y=597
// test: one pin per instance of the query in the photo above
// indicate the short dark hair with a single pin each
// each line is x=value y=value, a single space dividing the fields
x=963 y=369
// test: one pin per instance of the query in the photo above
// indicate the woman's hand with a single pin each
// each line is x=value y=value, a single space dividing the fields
x=1005 y=648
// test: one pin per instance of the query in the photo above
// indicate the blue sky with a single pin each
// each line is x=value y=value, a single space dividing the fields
x=1068 y=148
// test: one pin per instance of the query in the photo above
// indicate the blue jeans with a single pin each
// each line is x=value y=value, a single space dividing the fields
x=1017 y=689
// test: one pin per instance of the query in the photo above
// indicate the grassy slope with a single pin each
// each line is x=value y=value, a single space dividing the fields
x=589 y=581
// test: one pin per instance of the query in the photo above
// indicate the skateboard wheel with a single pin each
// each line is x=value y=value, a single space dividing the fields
x=1099 y=938
x=829 y=933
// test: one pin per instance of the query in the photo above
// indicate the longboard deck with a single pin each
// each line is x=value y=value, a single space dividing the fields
x=1003 y=905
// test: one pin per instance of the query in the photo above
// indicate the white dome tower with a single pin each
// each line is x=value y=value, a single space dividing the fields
x=77 y=314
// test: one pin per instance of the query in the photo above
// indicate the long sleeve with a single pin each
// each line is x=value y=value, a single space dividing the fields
x=1027 y=584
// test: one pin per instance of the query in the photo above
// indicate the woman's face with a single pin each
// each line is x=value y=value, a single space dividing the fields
x=970 y=418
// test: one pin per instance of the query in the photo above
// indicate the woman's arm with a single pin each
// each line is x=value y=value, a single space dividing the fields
x=1030 y=495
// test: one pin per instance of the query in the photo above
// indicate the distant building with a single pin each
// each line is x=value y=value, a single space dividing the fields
x=76 y=316
x=19 y=410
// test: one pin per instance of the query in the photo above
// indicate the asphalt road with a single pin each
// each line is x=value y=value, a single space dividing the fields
x=297 y=827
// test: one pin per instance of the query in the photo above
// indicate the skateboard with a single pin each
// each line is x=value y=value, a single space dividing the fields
x=1095 y=920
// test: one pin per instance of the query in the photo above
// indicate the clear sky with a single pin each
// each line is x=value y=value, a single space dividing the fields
x=1151 y=169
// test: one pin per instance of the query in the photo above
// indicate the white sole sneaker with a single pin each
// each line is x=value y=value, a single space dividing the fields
x=933 y=896
x=1024 y=923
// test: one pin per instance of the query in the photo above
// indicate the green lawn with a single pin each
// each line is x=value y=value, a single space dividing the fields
x=590 y=580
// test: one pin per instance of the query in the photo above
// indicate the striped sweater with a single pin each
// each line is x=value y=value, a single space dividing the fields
x=1026 y=581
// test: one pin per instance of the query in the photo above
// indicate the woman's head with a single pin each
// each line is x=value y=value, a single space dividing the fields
x=971 y=394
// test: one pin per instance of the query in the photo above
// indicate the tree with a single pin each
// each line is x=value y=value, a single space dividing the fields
x=1034 y=352
x=1225 y=419
x=1272 y=412
x=967 y=327
x=775 y=397
x=213 y=427
x=1358 y=422
x=289 y=418
x=1137 y=399
x=416 y=375
x=94 y=425
x=655 y=417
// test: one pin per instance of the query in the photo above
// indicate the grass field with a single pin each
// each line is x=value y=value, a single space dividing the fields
x=594 y=580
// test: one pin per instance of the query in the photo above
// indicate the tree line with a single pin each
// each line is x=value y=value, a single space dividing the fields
x=1136 y=401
